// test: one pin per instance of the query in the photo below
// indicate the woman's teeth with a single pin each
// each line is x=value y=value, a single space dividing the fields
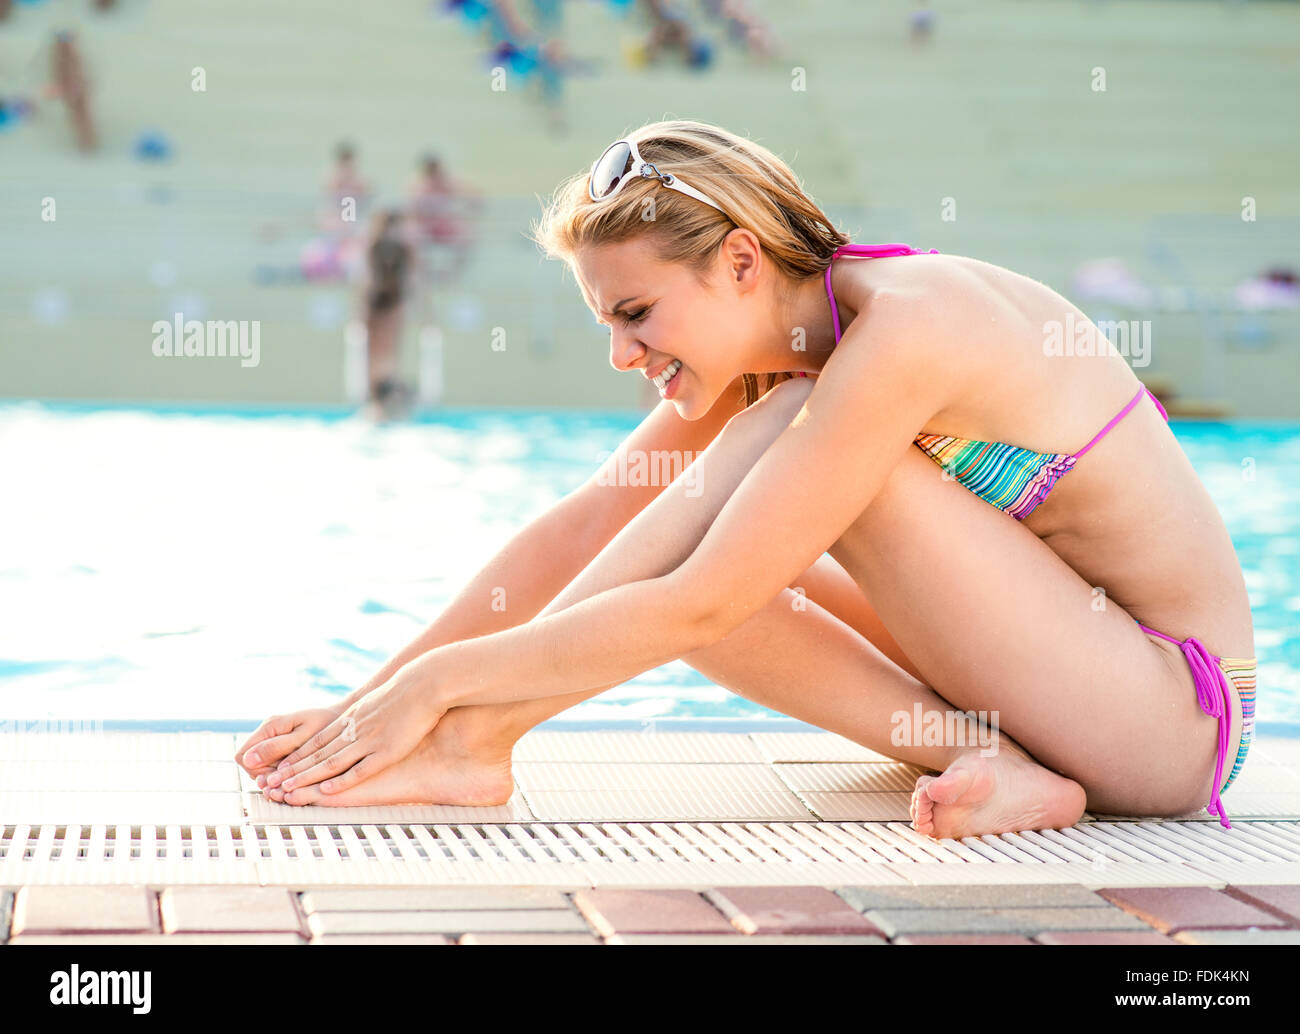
x=669 y=372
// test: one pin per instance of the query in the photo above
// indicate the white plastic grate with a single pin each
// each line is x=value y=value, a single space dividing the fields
x=650 y=854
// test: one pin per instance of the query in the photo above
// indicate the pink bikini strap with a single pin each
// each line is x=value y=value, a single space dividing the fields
x=1120 y=416
x=869 y=251
x=1213 y=695
x=1158 y=405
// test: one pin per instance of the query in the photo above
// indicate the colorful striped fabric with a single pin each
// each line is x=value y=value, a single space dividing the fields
x=1241 y=672
x=1013 y=479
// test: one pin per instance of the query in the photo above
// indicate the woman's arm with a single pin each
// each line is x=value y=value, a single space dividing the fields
x=879 y=387
x=540 y=560
x=532 y=568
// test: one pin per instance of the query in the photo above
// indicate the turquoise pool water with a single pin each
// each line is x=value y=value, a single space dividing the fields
x=182 y=565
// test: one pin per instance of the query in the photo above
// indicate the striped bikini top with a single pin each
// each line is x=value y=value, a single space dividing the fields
x=1013 y=479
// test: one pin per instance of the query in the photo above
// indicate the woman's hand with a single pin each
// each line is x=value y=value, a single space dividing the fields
x=278 y=736
x=378 y=730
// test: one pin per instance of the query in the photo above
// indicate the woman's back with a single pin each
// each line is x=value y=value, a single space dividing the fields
x=1131 y=516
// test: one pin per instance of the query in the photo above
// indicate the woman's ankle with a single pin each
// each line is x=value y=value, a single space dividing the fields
x=483 y=728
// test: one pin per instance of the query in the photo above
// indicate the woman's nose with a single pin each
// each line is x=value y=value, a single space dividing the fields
x=624 y=350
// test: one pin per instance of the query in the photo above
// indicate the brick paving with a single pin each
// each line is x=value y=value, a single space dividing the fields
x=1175 y=909
x=1021 y=914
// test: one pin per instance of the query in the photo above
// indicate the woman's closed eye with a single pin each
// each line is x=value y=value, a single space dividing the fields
x=637 y=317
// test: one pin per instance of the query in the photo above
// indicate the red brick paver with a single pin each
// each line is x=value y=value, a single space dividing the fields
x=650 y=911
x=1283 y=898
x=789 y=910
x=229 y=909
x=39 y=910
x=1171 y=909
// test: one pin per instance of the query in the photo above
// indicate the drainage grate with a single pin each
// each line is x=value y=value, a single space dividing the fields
x=658 y=854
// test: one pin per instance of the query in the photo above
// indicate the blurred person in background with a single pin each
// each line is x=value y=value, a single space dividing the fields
x=441 y=210
x=345 y=201
x=346 y=193
x=389 y=266
x=70 y=84
x=921 y=24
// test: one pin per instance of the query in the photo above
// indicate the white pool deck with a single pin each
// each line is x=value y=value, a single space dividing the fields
x=615 y=837
x=668 y=809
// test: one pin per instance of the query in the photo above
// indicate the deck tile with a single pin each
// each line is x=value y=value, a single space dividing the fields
x=1171 y=909
x=649 y=805
x=962 y=938
x=169 y=939
x=420 y=899
x=859 y=807
x=81 y=747
x=779 y=747
x=686 y=938
x=1013 y=895
x=615 y=911
x=54 y=909
x=548 y=920
x=93 y=807
x=483 y=937
x=1280 y=897
x=384 y=938
x=1131 y=937
x=646 y=746
x=896 y=921
x=262 y=809
x=229 y=910
x=705 y=777
x=1238 y=937
x=788 y=910
x=122 y=774
x=832 y=777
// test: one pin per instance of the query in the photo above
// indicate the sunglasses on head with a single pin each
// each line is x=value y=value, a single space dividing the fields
x=621 y=162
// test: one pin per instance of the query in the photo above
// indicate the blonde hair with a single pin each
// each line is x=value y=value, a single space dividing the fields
x=757 y=190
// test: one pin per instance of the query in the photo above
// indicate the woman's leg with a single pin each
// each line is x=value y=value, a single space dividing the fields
x=992 y=618
x=795 y=655
x=996 y=620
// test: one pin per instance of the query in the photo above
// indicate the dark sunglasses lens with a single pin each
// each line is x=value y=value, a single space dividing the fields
x=610 y=168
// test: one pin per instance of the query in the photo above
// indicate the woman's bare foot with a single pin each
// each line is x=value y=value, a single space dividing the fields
x=454 y=764
x=1004 y=793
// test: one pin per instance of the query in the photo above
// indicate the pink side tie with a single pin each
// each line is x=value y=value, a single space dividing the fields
x=1213 y=695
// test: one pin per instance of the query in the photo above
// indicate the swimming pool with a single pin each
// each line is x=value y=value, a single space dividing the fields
x=186 y=565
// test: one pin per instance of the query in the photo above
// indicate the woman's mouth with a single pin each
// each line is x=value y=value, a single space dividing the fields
x=666 y=377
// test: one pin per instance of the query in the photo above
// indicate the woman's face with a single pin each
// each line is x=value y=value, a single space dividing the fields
x=687 y=338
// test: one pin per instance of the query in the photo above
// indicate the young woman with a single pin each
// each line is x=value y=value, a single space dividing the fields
x=1072 y=583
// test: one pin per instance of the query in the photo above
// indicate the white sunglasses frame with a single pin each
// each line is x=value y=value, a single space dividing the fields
x=646 y=170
